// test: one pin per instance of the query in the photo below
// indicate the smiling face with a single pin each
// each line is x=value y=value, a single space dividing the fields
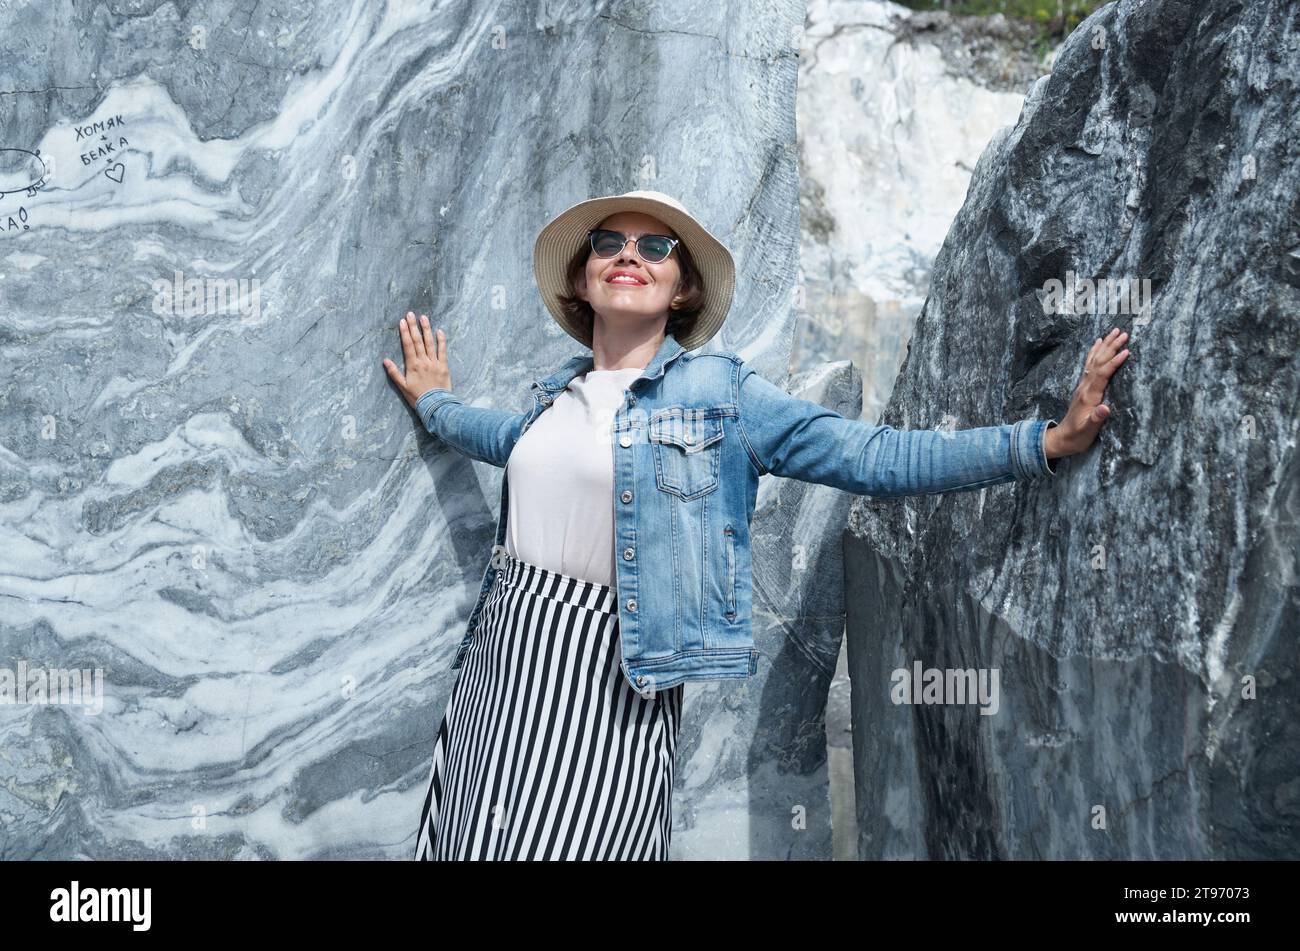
x=625 y=290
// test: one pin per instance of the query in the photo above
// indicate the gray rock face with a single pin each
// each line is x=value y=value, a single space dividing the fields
x=1141 y=606
x=220 y=500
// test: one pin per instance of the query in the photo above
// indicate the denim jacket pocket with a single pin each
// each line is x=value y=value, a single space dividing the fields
x=687 y=444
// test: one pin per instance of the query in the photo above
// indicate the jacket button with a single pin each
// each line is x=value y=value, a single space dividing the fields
x=627 y=495
x=627 y=554
x=625 y=440
x=640 y=680
x=631 y=604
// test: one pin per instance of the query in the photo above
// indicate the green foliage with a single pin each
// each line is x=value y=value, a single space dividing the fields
x=1055 y=17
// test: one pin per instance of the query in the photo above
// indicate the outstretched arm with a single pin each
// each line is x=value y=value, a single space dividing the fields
x=487 y=435
x=799 y=439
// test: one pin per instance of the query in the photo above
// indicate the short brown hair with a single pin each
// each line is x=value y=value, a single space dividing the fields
x=681 y=318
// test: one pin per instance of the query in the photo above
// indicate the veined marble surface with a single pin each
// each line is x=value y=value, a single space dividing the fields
x=894 y=108
x=1140 y=605
x=209 y=491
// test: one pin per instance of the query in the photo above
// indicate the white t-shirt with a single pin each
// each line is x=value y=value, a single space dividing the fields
x=561 y=473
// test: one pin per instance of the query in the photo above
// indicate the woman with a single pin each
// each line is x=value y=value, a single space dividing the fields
x=560 y=734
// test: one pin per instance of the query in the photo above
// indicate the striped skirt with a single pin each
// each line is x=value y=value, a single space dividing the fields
x=545 y=750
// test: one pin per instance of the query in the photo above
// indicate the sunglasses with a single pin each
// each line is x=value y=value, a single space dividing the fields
x=652 y=248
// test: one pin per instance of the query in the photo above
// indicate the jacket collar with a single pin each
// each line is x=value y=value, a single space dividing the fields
x=668 y=351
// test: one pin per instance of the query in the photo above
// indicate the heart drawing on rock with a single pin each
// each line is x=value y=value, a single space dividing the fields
x=116 y=172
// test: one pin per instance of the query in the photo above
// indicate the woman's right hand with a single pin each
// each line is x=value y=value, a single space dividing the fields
x=425 y=357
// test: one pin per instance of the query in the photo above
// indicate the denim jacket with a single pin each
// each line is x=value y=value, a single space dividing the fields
x=693 y=436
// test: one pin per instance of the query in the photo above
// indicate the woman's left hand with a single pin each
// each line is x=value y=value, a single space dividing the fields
x=1077 y=431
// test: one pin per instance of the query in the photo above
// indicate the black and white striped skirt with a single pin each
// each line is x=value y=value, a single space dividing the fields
x=545 y=750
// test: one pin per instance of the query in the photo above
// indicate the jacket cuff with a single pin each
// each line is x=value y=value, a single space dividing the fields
x=429 y=402
x=1028 y=452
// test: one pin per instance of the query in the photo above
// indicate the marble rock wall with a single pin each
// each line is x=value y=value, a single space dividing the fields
x=212 y=219
x=1141 y=607
x=894 y=108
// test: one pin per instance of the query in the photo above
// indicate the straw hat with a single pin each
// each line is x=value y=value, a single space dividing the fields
x=567 y=232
